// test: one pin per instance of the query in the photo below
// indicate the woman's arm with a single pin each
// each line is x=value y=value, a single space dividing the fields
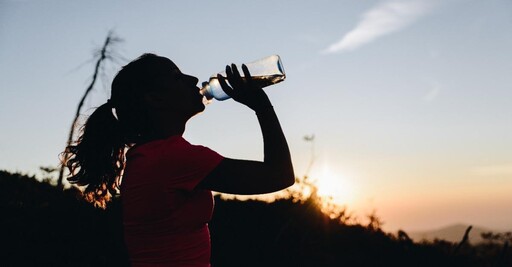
x=253 y=177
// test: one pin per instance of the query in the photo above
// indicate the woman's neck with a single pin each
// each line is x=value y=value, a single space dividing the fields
x=166 y=126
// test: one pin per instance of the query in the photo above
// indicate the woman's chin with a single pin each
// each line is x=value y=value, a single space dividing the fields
x=200 y=108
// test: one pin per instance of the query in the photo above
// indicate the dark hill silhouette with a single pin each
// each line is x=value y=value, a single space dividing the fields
x=42 y=225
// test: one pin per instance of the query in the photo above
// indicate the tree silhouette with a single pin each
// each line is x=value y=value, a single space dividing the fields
x=105 y=53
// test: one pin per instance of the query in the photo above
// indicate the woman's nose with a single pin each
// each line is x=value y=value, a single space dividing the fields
x=193 y=79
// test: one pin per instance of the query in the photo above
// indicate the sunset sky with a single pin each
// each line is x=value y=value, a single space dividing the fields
x=410 y=101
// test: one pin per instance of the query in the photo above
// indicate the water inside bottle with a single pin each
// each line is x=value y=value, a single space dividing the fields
x=263 y=81
x=260 y=81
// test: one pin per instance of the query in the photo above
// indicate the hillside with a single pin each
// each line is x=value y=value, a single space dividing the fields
x=44 y=226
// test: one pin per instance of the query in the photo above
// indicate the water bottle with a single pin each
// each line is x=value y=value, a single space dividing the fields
x=264 y=72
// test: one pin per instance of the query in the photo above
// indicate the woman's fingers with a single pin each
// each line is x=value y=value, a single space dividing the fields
x=235 y=71
x=225 y=87
x=247 y=74
x=236 y=80
x=231 y=77
x=240 y=88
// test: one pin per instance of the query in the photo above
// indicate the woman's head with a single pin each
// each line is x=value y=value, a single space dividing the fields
x=146 y=93
x=152 y=85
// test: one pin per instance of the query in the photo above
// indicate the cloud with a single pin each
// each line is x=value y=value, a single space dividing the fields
x=388 y=17
x=432 y=93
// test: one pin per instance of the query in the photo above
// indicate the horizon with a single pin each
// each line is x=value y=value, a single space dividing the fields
x=410 y=102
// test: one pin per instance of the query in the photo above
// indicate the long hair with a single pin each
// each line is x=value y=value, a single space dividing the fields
x=97 y=159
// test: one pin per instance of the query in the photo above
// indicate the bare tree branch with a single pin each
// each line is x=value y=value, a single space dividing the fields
x=464 y=239
x=102 y=55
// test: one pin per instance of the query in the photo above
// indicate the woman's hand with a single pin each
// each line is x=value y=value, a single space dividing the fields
x=243 y=89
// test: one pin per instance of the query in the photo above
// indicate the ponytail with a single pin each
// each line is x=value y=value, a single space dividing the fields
x=97 y=159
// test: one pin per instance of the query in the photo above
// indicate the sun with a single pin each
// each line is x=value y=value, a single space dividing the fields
x=335 y=185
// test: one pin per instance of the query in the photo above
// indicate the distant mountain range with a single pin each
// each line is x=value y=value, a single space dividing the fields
x=452 y=233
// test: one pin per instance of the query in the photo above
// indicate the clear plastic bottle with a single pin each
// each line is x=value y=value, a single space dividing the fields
x=264 y=72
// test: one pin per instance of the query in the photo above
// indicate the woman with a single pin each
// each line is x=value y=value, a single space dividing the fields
x=167 y=182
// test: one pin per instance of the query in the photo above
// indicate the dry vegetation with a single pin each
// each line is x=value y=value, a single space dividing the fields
x=43 y=225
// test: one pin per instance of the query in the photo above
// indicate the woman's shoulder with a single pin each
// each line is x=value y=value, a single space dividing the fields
x=179 y=146
x=174 y=145
x=156 y=146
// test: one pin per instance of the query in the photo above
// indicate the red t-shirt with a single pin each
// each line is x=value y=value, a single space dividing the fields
x=164 y=216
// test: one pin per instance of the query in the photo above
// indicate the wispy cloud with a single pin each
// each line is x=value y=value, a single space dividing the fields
x=385 y=18
x=432 y=93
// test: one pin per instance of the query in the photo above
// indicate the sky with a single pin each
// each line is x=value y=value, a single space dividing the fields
x=410 y=102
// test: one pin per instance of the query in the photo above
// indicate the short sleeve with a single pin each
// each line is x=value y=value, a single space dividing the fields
x=188 y=164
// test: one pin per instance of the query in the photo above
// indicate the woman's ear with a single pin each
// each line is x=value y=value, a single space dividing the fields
x=156 y=100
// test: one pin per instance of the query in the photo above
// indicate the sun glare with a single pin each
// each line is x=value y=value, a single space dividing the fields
x=335 y=185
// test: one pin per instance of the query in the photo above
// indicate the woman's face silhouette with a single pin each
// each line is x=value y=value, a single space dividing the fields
x=179 y=95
